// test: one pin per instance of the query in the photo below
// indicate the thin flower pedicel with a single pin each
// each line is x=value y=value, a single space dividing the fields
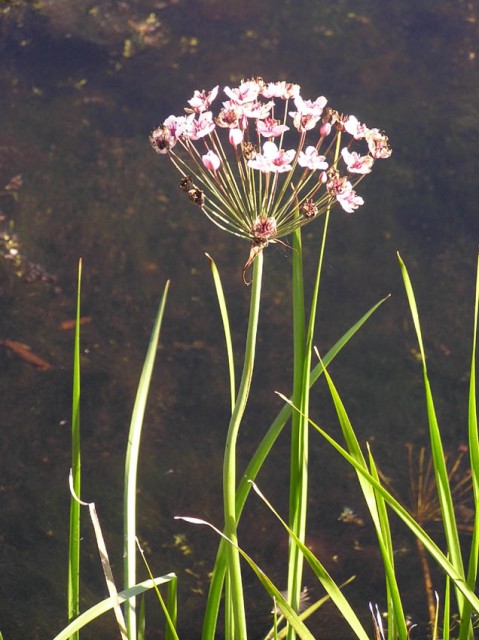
x=276 y=166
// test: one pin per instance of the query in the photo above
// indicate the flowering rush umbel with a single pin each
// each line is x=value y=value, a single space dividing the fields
x=267 y=161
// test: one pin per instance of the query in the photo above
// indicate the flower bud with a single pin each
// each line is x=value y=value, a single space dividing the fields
x=236 y=137
x=211 y=161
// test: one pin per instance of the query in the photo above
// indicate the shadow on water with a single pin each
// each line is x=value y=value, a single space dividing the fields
x=81 y=86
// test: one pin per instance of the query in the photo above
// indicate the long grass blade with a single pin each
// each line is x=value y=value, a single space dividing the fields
x=439 y=460
x=408 y=520
x=170 y=607
x=474 y=457
x=275 y=634
x=106 y=605
x=131 y=466
x=298 y=480
x=397 y=627
x=226 y=327
x=378 y=513
x=446 y=618
x=234 y=593
x=74 y=541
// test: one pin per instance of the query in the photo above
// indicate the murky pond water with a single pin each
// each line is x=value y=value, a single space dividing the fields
x=81 y=87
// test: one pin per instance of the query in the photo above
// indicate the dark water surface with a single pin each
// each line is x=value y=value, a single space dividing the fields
x=81 y=86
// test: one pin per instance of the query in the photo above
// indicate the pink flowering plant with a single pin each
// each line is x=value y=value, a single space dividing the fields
x=266 y=161
x=263 y=164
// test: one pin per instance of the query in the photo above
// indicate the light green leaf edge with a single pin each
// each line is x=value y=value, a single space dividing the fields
x=105 y=605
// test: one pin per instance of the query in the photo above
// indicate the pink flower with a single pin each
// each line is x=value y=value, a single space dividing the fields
x=202 y=100
x=219 y=167
x=200 y=127
x=343 y=191
x=176 y=127
x=312 y=160
x=349 y=200
x=247 y=92
x=325 y=129
x=314 y=107
x=378 y=143
x=354 y=127
x=211 y=161
x=272 y=160
x=259 y=110
x=308 y=112
x=270 y=128
x=356 y=163
x=282 y=89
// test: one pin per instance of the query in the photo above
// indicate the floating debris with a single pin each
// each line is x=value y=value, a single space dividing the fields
x=71 y=324
x=349 y=516
x=24 y=352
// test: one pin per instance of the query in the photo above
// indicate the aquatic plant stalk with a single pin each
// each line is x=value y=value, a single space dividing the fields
x=131 y=467
x=74 y=540
x=235 y=597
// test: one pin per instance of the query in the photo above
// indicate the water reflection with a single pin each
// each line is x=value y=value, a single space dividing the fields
x=81 y=87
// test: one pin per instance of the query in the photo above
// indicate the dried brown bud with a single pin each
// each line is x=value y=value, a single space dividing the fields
x=160 y=139
x=249 y=151
x=309 y=209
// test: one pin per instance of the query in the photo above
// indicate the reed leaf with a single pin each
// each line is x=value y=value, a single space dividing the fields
x=439 y=460
x=464 y=629
x=226 y=327
x=74 y=536
x=378 y=513
x=131 y=466
x=106 y=605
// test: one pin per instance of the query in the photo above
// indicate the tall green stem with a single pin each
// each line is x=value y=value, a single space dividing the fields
x=234 y=598
x=303 y=343
x=74 y=546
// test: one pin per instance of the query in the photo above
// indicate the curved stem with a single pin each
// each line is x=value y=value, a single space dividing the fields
x=234 y=596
